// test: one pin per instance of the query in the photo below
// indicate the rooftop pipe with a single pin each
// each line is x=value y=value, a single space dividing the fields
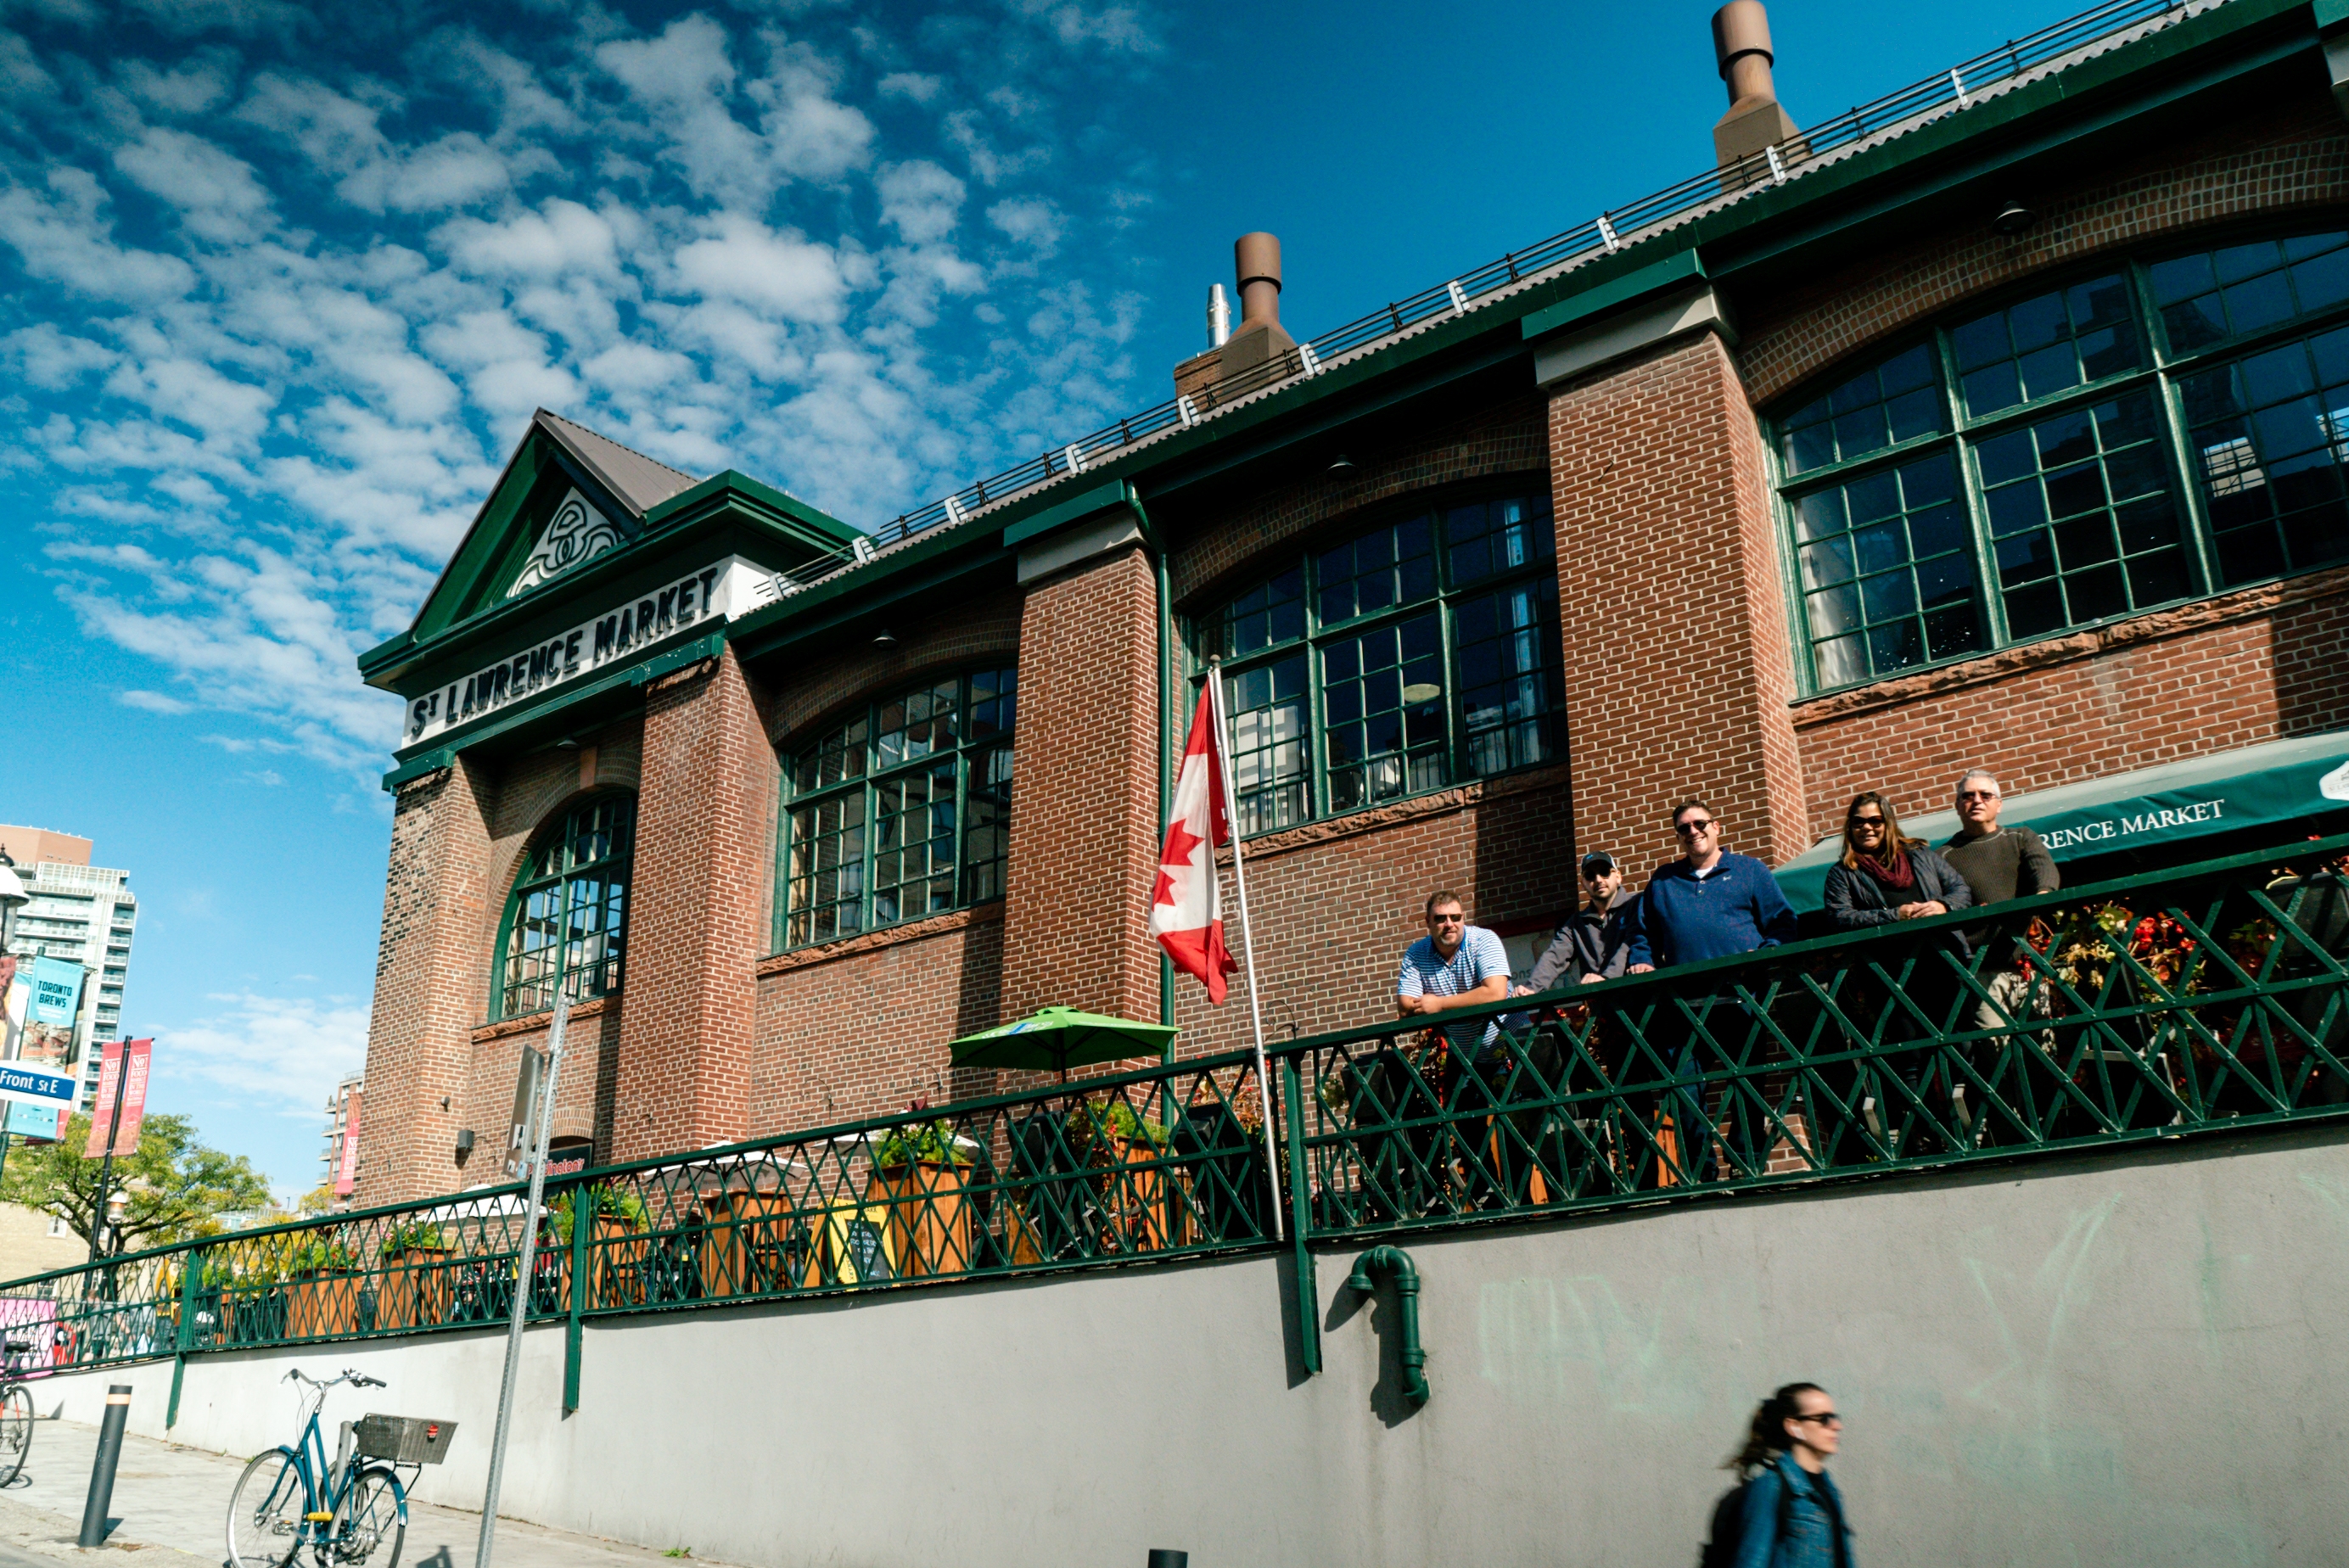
x=1755 y=121
x=1258 y=337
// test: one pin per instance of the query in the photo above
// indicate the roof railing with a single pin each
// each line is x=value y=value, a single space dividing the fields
x=1956 y=89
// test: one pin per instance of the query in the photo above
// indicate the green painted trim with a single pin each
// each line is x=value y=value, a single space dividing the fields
x=2332 y=16
x=693 y=652
x=486 y=540
x=1677 y=268
x=730 y=482
x=623 y=673
x=1301 y=1219
x=1076 y=508
x=779 y=625
x=417 y=767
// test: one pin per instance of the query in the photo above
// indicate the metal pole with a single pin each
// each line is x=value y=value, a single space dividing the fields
x=1247 y=939
x=113 y=1132
x=544 y=1116
x=101 y=1470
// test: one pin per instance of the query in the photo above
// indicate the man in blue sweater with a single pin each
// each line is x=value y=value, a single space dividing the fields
x=1706 y=904
x=1709 y=904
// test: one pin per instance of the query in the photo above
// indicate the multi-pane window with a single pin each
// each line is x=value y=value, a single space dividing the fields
x=566 y=919
x=902 y=810
x=2128 y=440
x=1406 y=658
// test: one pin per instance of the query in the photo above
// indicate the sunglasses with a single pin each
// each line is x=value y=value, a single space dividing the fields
x=1977 y=794
x=1699 y=826
x=1868 y=822
x=1823 y=1418
x=1449 y=919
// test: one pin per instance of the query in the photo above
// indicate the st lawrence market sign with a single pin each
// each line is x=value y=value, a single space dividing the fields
x=678 y=609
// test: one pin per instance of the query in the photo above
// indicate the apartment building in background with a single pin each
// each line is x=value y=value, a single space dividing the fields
x=82 y=914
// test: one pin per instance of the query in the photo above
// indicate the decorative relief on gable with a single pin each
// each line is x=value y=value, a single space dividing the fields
x=575 y=533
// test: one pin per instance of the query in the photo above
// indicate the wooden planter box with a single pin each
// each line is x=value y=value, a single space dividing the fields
x=743 y=1250
x=1137 y=1199
x=928 y=1217
x=617 y=1251
x=413 y=1290
x=321 y=1304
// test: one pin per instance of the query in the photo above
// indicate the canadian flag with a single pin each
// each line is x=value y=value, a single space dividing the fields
x=1187 y=909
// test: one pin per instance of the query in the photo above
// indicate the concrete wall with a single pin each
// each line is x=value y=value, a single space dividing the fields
x=2129 y=1359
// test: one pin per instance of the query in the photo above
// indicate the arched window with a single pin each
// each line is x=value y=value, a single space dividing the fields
x=902 y=810
x=566 y=919
x=2149 y=430
x=1413 y=655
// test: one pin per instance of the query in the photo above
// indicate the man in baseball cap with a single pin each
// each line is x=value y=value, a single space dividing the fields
x=1595 y=942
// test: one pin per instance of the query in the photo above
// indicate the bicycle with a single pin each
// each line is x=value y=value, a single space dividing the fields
x=16 y=1414
x=349 y=1512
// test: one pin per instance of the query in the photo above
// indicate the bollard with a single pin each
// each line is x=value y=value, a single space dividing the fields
x=1165 y=1557
x=101 y=1471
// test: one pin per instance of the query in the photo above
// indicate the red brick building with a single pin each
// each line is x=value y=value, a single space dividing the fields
x=2011 y=430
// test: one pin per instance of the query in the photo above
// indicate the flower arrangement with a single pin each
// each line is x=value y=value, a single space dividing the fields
x=925 y=1142
x=602 y=1202
x=414 y=1237
x=1092 y=1123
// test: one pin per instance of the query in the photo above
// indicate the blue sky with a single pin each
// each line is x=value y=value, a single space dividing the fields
x=281 y=284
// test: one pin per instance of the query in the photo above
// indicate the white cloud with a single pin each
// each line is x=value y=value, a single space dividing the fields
x=919 y=199
x=153 y=702
x=278 y=1055
x=1031 y=222
x=218 y=195
x=784 y=274
x=911 y=86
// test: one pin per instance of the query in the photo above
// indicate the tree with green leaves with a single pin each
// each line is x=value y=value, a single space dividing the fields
x=172 y=1190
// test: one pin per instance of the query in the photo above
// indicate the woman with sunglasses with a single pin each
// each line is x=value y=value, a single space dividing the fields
x=1884 y=875
x=1788 y=1514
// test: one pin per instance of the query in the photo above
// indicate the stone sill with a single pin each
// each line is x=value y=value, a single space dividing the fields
x=2139 y=631
x=1418 y=809
x=594 y=1007
x=873 y=941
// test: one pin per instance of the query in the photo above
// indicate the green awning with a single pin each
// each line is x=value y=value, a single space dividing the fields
x=2281 y=781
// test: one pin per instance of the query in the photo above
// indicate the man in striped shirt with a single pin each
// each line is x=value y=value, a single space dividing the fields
x=1456 y=965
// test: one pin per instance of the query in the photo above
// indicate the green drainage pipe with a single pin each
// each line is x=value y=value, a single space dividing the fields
x=1397 y=1261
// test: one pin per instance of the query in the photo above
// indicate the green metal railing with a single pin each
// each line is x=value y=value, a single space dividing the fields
x=2210 y=999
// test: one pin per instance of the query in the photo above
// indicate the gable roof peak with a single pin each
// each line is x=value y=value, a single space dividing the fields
x=637 y=482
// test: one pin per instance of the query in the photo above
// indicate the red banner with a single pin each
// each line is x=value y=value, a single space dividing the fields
x=124 y=1140
x=347 y=1167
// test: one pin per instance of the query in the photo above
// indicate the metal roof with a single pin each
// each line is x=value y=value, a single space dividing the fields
x=637 y=481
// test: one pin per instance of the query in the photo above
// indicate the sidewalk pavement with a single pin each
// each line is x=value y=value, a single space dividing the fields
x=173 y=1505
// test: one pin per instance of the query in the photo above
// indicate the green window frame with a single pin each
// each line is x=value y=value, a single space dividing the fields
x=1393 y=660
x=899 y=810
x=2135 y=432
x=567 y=918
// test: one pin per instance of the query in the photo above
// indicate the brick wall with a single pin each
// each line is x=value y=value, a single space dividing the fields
x=1679 y=683
x=826 y=683
x=859 y=1026
x=584 y=1097
x=2293 y=156
x=700 y=898
x=1085 y=794
x=419 y=1039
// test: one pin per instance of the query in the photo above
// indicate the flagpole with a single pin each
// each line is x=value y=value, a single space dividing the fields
x=1247 y=939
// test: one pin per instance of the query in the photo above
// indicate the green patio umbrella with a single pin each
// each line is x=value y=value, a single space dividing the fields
x=1061 y=1039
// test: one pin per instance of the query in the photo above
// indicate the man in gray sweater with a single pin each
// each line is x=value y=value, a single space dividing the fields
x=1999 y=863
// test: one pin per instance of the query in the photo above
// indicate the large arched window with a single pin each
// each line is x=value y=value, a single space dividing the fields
x=566 y=919
x=2152 y=430
x=1403 y=659
x=903 y=809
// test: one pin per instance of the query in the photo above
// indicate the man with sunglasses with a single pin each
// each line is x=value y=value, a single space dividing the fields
x=1999 y=863
x=1595 y=942
x=1709 y=904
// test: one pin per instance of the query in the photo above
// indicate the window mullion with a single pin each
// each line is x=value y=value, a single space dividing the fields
x=1985 y=550
x=2200 y=540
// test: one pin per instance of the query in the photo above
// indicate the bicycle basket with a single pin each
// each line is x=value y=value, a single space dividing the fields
x=404 y=1439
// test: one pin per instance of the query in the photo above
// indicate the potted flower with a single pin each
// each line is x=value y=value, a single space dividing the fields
x=321 y=1292
x=415 y=1289
x=920 y=1171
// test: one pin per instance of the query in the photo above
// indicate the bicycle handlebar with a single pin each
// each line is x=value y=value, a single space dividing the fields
x=350 y=1374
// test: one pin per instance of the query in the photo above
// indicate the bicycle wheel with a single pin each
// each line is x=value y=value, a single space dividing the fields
x=370 y=1529
x=15 y=1431
x=265 y=1512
